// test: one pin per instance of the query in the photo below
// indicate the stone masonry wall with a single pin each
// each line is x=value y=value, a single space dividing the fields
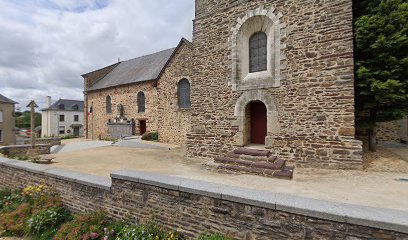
x=20 y=150
x=315 y=99
x=162 y=112
x=394 y=131
x=49 y=141
x=127 y=96
x=90 y=79
x=174 y=122
x=186 y=206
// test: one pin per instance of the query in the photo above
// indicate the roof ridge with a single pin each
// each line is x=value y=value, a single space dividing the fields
x=147 y=55
x=5 y=99
x=148 y=67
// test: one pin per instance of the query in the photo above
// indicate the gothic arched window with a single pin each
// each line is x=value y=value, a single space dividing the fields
x=108 y=104
x=141 y=102
x=258 y=52
x=183 y=92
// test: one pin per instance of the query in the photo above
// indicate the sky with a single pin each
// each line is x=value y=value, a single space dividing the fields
x=46 y=45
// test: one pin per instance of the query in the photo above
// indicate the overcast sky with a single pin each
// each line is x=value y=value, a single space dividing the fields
x=45 y=45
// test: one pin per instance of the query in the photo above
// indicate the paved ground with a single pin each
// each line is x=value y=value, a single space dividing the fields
x=79 y=144
x=375 y=186
x=398 y=148
x=74 y=145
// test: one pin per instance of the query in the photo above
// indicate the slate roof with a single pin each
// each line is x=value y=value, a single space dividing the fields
x=139 y=69
x=68 y=105
x=4 y=99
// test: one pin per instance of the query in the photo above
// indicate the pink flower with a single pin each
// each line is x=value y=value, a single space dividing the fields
x=94 y=235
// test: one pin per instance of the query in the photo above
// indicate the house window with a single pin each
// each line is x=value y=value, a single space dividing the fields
x=61 y=130
x=76 y=118
x=61 y=118
x=258 y=52
x=1 y=116
x=141 y=102
x=183 y=92
x=61 y=106
x=108 y=104
x=75 y=107
x=1 y=135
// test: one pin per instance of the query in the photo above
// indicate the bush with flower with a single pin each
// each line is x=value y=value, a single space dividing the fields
x=38 y=213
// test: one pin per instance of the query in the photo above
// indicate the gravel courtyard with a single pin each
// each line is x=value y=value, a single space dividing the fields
x=382 y=184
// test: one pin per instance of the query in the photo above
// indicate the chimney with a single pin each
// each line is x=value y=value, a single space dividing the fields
x=48 y=101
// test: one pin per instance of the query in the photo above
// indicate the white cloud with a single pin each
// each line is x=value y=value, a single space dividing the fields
x=46 y=45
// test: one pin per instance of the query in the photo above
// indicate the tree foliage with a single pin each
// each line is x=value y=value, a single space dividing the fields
x=381 y=47
x=23 y=119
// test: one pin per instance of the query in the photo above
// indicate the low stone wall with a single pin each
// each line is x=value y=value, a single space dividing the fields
x=49 y=141
x=392 y=131
x=18 y=150
x=194 y=206
x=119 y=130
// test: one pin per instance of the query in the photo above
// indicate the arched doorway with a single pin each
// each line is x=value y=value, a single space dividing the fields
x=243 y=114
x=256 y=122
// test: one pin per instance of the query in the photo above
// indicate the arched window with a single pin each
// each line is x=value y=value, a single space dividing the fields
x=183 y=92
x=258 y=52
x=108 y=104
x=141 y=102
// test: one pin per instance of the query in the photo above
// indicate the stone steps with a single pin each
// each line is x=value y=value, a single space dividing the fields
x=278 y=164
x=286 y=173
x=252 y=152
x=270 y=158
x=252 y=161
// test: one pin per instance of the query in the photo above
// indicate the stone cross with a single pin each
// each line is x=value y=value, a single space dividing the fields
x=32 y=105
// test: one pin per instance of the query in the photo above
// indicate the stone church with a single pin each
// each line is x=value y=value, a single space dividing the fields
x=276 y=74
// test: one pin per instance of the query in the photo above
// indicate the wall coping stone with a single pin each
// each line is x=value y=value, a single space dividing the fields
x=389 y=219
x=48 y=170
x=23 y=146
x=79 y=177
x=4 y=160
x=27 y=166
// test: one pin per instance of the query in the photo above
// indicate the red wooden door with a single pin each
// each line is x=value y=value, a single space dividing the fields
x=258 y=122
x=142 y=126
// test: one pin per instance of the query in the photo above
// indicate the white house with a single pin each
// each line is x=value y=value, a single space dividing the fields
x=64 y=117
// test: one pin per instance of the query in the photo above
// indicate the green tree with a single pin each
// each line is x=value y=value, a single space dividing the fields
x=381 y=47
x=23 y=119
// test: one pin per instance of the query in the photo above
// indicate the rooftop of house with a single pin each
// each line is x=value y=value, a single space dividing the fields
x=140 y=69
x=66 y=105
x=4 y=99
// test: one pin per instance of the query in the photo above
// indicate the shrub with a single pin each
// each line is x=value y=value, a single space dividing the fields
x=83 y=227
x=150 y=231
x=109 y=139
x=9 y=200
x=48 y=219
x=69 y=137
x=17 y=208
x=13 y=222
x=150 y=136
x=213 y=237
